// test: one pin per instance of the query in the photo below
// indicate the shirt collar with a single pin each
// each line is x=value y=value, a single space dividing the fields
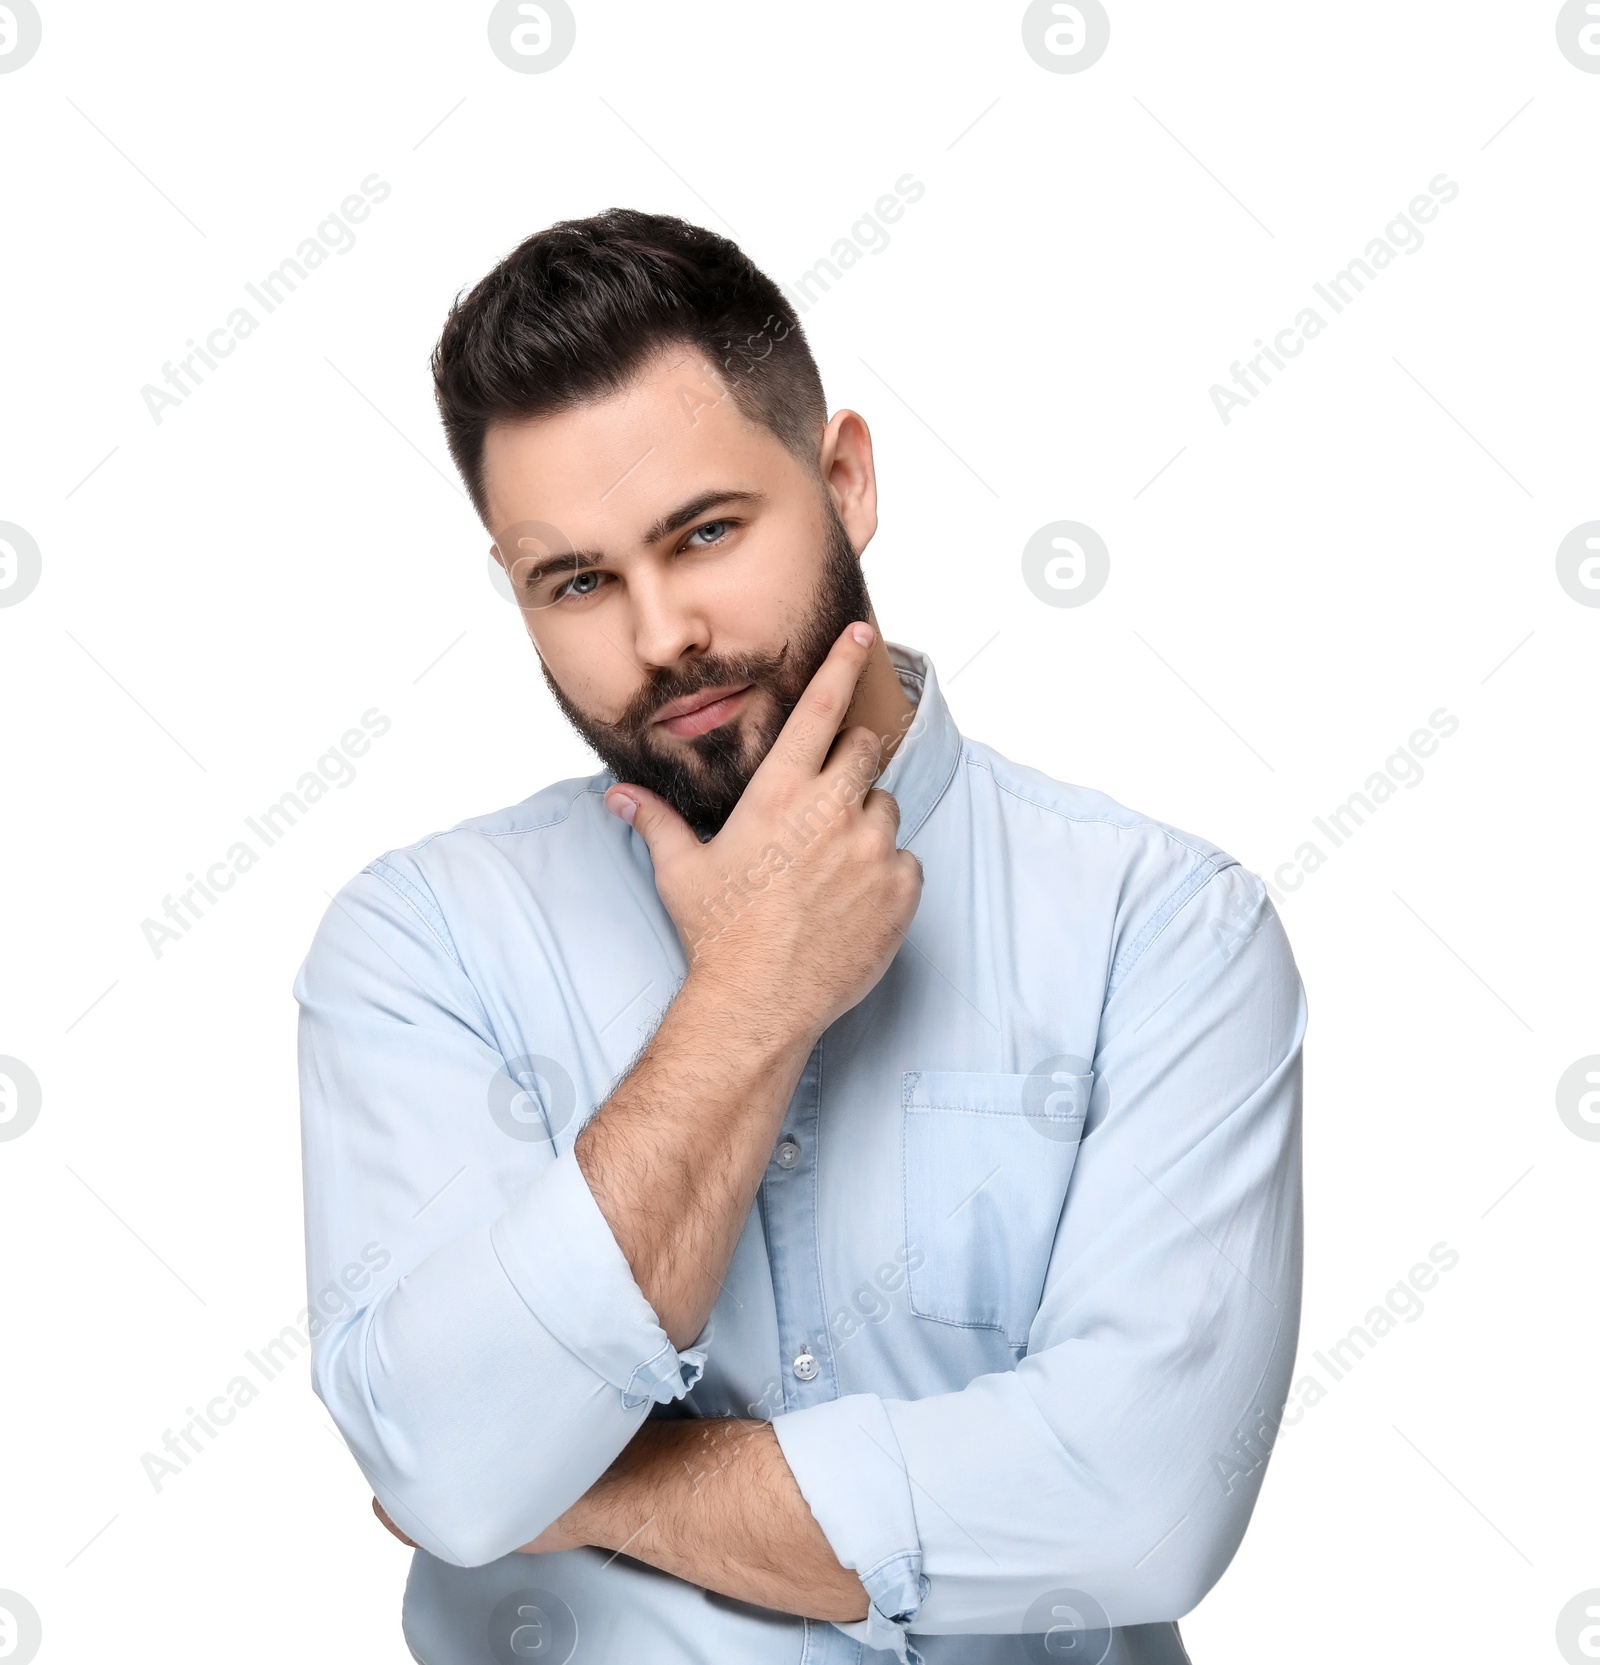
x=922 y=768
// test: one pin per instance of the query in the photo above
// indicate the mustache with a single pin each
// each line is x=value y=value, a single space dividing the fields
x=757 y=669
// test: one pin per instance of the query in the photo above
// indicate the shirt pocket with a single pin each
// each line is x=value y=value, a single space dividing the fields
x=986 y=1162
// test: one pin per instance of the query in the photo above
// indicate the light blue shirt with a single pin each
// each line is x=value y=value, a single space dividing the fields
x=1019 y=1293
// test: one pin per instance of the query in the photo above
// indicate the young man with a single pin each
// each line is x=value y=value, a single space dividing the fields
x=816 y=1186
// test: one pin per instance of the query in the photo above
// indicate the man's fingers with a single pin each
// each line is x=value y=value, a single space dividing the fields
x=378 y=1510
x=663 y=829
x=807 y=736
x=883 y=804
x=856 y=757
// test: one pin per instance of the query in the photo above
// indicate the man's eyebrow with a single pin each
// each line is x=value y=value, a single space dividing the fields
x=673 y=521
x=676 y=519
x=528 y=578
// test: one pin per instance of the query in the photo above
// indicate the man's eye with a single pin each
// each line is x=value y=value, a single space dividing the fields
x=571 y=586
x=716 y=531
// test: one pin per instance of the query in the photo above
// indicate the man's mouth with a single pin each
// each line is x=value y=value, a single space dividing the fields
x=696 y=713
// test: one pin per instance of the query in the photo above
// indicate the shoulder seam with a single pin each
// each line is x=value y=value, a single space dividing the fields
x=1201 y=848
x=550 y=821
x=1136 y=820
x=1196 y=880
x=423 y=905
x=1208 y=858
x=588 y=789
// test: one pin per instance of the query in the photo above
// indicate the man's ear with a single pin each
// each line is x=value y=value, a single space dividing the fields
x=849 y=474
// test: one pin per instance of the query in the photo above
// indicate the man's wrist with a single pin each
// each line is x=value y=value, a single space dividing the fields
x=761 y=1033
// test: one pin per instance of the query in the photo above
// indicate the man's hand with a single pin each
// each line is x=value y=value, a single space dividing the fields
x=794 y=910
x=383 y=1515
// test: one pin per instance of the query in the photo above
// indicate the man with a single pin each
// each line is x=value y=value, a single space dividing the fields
x=815 y=1190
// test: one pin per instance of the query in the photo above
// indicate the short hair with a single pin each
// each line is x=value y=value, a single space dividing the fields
x=574 y=312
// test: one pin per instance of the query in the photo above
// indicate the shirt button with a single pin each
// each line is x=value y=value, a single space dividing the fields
x=805 y=1367
x=787 y=1153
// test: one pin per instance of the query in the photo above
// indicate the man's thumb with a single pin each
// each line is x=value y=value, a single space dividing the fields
x=663 y=829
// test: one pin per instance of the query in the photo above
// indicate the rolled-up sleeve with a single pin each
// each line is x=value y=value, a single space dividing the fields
x=1106 y=1463
x=477 y=1333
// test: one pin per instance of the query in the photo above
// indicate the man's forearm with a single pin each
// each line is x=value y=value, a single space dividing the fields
x=674 y=1157
x=713 y=1501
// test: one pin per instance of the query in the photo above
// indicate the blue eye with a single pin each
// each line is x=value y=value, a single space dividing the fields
x=720 y=527
x=570 y=585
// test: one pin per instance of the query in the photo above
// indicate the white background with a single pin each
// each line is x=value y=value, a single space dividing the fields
x=223 y=593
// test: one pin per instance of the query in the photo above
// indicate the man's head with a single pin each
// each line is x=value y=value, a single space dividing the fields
x=642 y=429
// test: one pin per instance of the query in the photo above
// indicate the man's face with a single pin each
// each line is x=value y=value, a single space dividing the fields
x=666 y=552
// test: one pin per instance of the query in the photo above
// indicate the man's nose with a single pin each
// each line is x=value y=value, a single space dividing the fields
x=668 y=622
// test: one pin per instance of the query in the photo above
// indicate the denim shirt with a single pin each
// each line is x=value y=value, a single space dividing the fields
x=1019 y=1293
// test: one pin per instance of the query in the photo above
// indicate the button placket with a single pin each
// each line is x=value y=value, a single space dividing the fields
x=789 y=1218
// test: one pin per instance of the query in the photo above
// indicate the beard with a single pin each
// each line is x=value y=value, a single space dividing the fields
x=705 y=776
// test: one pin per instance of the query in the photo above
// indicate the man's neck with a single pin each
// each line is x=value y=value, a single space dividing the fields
x=880 y=703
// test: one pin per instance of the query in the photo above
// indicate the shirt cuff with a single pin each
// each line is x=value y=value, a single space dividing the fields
x=563 y=1259
x=847 y=1462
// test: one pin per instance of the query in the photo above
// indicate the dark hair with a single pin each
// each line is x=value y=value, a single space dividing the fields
x=573 y=313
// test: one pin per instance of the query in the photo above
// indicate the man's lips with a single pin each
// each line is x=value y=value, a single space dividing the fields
x=696 y=713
